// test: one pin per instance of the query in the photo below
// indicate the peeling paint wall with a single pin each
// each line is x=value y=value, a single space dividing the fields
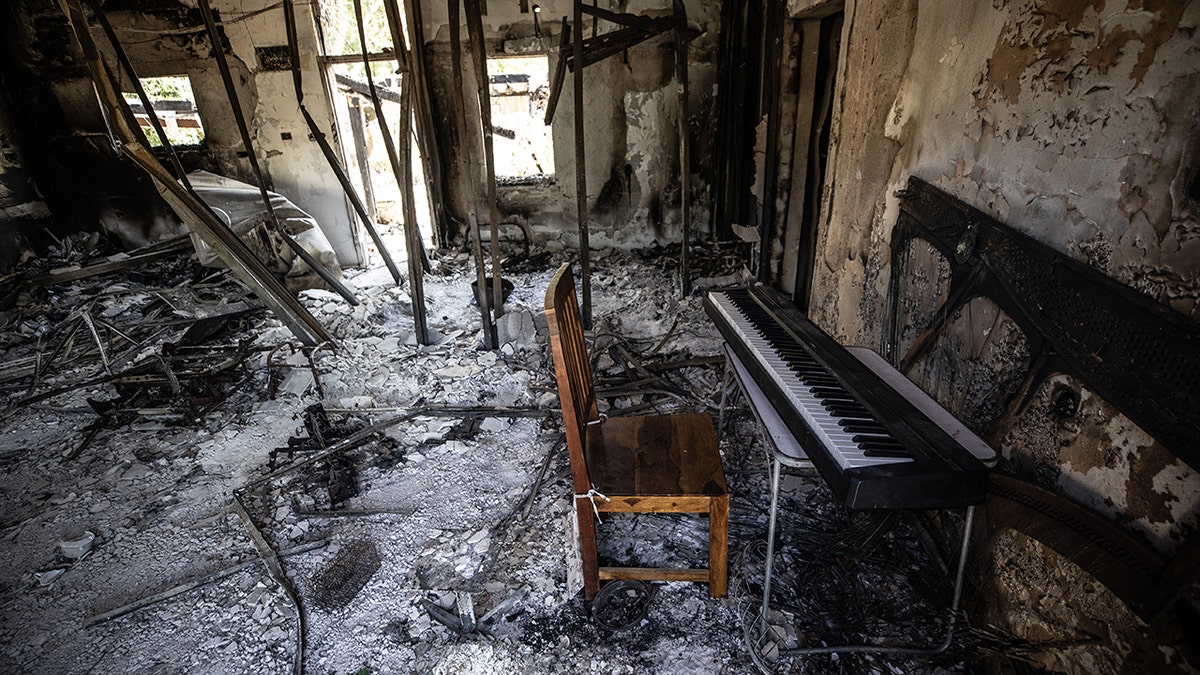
x=1072 y=121
x=631 y=117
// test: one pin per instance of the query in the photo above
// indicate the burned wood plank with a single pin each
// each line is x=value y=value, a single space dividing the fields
x=560 y=71
x=596 y=49
x=622 y=18
x=115 y=263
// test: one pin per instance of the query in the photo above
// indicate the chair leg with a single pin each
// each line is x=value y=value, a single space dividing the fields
x=718 y=546
x=586 y=523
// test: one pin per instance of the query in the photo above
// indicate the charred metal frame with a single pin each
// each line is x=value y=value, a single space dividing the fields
x=1137 y=354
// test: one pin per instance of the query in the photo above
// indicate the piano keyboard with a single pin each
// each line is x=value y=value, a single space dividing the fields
x=878 y=446
x=839 y=422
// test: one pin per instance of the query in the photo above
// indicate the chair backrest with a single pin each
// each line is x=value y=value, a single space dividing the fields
x=573 y=369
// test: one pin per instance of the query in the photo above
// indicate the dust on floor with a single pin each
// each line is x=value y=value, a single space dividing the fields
x=442 y=509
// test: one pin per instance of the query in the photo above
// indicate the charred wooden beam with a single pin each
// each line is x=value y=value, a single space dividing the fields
x=560 y=71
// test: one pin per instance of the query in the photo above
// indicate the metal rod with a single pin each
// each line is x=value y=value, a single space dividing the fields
x=398 y=172
x=475 y=33
x=468 y=171
x=581 y=209
x=412 y=235
x=368 y=222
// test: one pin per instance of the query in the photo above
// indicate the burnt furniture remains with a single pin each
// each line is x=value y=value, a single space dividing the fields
x=638 y=464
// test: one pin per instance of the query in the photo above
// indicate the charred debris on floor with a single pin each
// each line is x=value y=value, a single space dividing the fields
x=162 y=343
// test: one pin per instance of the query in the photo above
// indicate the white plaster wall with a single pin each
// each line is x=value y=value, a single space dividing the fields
x=297 y=167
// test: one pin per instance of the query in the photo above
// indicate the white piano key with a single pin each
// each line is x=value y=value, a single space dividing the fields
x=838 y=443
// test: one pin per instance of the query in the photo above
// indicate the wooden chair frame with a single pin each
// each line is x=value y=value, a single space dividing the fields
x=637 y=464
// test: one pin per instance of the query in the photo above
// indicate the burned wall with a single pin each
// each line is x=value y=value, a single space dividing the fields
x=631 y=117
x=86 y=183
x=55 y=133
x=1073 y=122
x=22 y=211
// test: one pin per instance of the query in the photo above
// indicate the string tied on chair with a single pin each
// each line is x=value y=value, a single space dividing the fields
x=590 y=495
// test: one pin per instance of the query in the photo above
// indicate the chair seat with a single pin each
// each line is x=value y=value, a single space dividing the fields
x=655 y=455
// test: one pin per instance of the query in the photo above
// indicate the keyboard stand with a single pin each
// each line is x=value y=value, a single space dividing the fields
x=784 y=450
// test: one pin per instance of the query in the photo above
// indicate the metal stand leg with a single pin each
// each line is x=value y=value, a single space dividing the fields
x=724 y=396
x=766 y=604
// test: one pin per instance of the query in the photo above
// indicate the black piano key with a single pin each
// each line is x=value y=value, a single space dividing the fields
x=830 y=390
x=852 y=426
x=873 y=440
x=880 y=452
x=814 y=379
x=847 y=410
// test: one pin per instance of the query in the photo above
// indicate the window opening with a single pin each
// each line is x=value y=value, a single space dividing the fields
x=174 y=105
x=524 y=147
x=361 y=140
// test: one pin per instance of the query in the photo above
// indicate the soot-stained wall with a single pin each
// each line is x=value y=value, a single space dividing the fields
x=631 y=117
x=1072 y=121
x=64 y=135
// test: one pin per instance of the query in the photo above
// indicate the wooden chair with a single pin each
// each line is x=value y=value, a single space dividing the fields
x=645 y=464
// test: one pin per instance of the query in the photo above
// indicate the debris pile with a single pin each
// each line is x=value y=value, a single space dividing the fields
x=381 y=504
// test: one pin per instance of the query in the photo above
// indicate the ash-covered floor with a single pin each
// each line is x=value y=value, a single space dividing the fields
x=463 y=507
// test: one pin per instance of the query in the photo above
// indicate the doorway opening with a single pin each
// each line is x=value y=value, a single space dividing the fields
x=364 y=151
